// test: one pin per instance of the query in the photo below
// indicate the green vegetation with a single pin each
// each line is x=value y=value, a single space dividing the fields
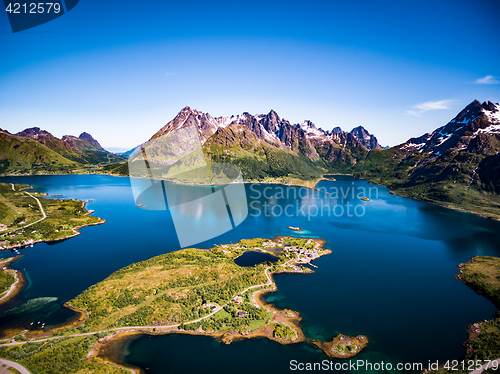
x=49 y=155
x=24 y=155
x=18 y=210
x=482 y=274
x=258 y=159
x=445 y=180
x=65 y=355
x=296 y=242
x=172 y=288
x=487 y=346
x=345 y=348
x=285 y=332
x=191 y=289
x=7 y=279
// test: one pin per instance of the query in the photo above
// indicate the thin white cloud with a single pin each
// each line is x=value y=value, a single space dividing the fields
x=489 y=79
x=419 y=109
x=170 y=73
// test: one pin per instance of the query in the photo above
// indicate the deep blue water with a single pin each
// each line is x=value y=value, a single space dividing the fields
x=251 y=258
x=390 y=275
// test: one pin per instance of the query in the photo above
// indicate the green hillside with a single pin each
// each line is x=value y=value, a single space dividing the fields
x=258 y=159
x=458 y=180
x=24 y=155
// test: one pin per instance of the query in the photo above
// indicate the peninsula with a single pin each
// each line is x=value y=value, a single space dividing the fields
x=481 y=273
x=28 y=217
x=194 y=291
x=11 y=281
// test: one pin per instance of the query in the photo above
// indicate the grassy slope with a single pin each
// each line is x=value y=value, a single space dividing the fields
x=258 y=159
x=171 y=288
x=166 y=289
x=62 y=216
x=23 y=155
x=444 y=181
x=482 y=274
x=66 y=355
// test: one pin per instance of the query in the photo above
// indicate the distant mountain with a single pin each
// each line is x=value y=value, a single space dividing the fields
x=83 y=149
x=457 y=165
x=38 y=151
x=265 y=145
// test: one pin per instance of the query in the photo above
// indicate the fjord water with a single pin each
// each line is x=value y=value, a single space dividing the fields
x=390 y=275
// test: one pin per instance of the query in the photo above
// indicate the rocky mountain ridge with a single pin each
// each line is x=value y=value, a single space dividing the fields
x=83 y=149
x=268 y=127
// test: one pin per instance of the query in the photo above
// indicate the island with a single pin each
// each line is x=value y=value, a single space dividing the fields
x=191 y=291
x=28 y=217
x=294 y=228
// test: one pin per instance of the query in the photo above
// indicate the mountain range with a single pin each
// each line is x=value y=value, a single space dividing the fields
x=267 y=146
x=457 y=165
x=36 y=151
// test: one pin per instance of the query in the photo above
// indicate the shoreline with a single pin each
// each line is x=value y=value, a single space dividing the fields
x=74 y=229
x=437 y=203
x=18 y=284
x=473 y=330
x=111 y=349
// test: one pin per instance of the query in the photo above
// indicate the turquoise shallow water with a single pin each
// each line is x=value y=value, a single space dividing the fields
x=390 y=275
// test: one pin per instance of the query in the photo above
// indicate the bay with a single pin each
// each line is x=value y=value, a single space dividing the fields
x=390 y=275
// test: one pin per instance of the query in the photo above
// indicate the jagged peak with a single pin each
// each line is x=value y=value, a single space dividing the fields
x=89 y=139
x=360 y=128
x=32 y=132
x=489 y=106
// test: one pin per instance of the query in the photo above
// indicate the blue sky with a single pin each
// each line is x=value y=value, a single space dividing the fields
x=121 y=70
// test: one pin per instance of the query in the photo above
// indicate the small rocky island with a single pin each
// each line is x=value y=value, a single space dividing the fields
x=342 y=346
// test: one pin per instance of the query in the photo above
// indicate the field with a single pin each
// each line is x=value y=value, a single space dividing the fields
x=23 y=222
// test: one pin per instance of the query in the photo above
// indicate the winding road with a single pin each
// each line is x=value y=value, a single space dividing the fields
x=12 y=364
x=41 y=209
